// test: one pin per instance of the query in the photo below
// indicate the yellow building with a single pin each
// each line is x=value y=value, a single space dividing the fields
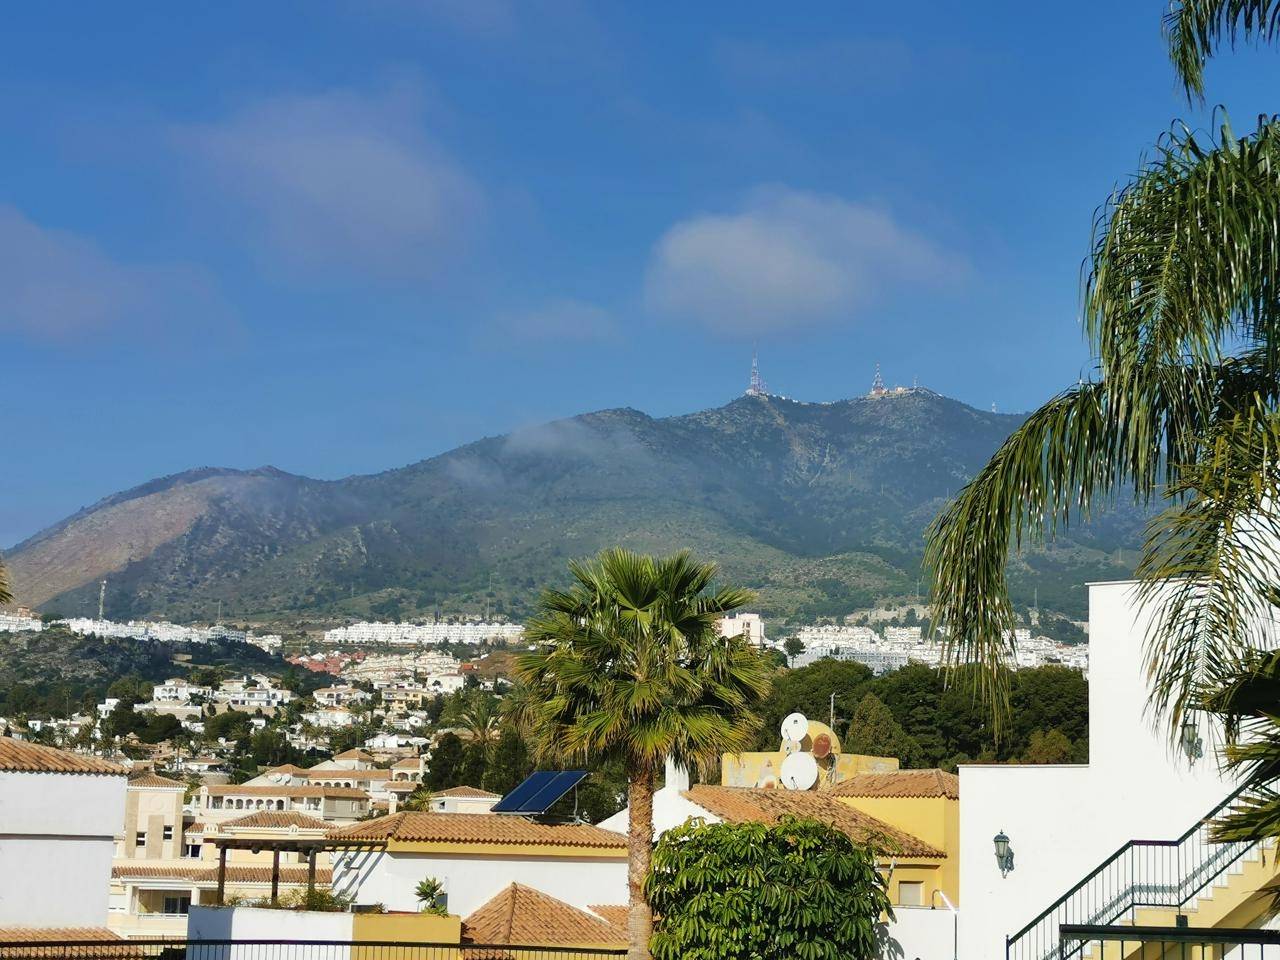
x=830 y=764
x=922 y=803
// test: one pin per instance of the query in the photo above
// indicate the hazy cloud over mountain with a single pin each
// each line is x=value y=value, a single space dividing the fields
x=786 y=258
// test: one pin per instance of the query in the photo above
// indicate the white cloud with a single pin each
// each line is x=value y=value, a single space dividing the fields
x=341 y=181
x=563 y=319
x=788 y=258
x=56 y=285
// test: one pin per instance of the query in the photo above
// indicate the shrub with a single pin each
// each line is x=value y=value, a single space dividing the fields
x=797 y=888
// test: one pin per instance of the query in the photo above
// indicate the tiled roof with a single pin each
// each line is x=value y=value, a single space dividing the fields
x=22 y=757
x=283 y=790
x=57 y=934
x=408 y=763
x=289 y=768
x=900 y=783
x=742 y=804
x=336 y=773
x=521 y=914
x=149 y=779
x=468 y=792
x=402 y=786
x=41 y=941
x=200 y=873
x=414 y=826
x=615 y=913
x=275 y=819
x=356 y=754
x=197 y=827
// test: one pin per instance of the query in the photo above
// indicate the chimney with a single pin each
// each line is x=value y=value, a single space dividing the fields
x=675 y=776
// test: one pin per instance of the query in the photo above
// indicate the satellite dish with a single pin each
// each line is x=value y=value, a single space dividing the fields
x=821 y=746
x=795 y=727
x=799 y=771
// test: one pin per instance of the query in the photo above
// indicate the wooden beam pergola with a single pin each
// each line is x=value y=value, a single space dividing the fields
x=307 y=847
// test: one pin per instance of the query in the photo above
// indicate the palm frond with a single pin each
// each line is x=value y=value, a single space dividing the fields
x=1184 y=259
x=1196 y=28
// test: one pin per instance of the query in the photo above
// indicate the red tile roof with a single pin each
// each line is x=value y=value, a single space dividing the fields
x=414 y=826
x=745 y=804
x=900 y=783
x=283 y=790
x=202 y=873
x=523 y=915
x=148 y=779
x=468 y=792
x=275 y=819
x=18 y=756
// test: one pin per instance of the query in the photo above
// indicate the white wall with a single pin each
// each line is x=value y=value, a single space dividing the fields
x=57 y=837
x=1063 y=821
x=919 y=934
x=253 y=923
x=471 y=881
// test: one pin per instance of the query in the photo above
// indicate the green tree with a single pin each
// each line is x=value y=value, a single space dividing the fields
x=231 y=725
x=1181 y=315
x=740 y=891
x=874 y=731
x=445 y=764
x=1048 y=747
x=508 y=762
x=630 y=666
x=6 y=596
x=808 y=691
x=793 y=646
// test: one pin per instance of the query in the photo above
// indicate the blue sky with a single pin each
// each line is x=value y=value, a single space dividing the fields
x=338 y=237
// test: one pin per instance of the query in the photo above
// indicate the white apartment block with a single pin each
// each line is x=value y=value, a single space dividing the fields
x=252 y=692
x=426 y=633
x=17 y=623
x=339 y=696
x=749 y=625
x=175 y=690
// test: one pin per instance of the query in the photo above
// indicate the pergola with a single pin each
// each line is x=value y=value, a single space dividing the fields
x=308 y=847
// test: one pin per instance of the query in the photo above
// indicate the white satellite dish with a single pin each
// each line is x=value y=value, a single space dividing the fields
x=799 y=771
x=795 y=726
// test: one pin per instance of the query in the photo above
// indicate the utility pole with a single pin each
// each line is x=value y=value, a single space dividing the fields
x=832 y=724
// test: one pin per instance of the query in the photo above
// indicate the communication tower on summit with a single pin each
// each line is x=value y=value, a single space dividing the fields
x=877 y=385
x=756 y=387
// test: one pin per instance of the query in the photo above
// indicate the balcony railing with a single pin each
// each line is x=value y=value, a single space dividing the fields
x=1167 y=943
x=180 y=949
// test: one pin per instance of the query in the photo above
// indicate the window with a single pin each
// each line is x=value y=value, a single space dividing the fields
x=910 y=893
x=140 y=838
x=191 y=850
x=168 y=832
x=177 y=904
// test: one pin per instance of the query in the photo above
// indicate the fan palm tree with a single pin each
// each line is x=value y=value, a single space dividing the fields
x=630 y=666
x=1182 y=313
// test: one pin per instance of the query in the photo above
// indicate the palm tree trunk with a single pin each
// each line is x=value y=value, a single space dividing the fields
x=639 y=854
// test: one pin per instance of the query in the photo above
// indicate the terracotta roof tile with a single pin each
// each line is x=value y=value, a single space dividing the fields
x=408 y=763
x=18 y=756
x=414 y=826
x=900 y=783
x=523 y=915
x=743 y=804
x=283 y=790
x=201 y=873
x=469 y=792
x=615 y=913
x=275 y=819
x=43 y=943
x=148 y=779
x=334 y=773
x=356 y=754
x=197 y=827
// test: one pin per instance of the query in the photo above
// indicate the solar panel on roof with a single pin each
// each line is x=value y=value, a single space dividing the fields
x=539 y=792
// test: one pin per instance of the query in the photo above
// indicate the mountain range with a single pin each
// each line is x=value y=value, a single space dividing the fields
x=820 y=507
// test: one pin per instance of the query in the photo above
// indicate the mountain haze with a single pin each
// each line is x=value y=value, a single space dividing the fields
x=820 y=507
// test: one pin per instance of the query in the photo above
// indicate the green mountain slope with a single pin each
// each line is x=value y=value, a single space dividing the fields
x=821 y=507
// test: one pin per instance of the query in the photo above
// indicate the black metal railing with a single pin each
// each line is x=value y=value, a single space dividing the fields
x=1166 y=943
x=179 y=949
x=1142 y=873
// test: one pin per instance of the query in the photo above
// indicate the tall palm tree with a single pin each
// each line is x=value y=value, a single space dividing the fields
x=630 y=666
x=1182 y=312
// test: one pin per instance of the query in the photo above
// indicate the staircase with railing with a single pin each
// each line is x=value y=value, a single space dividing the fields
x=1142 y=873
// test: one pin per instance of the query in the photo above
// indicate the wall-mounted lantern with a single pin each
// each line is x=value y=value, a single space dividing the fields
x=1004 y=856
x=1189 y=738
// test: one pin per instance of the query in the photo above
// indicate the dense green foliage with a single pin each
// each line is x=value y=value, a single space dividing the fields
x=57 y=673
x=819 y=508
x=943 y=724
x=748 y=891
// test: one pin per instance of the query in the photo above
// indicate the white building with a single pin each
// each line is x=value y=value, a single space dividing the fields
x=59 y=813
x=475 y=857
x=175 y=690
x=252 y=693
x=749 y=625
x=472 y=632
x=17 y=623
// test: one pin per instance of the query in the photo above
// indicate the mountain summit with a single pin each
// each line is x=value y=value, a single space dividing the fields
x=821 y=507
